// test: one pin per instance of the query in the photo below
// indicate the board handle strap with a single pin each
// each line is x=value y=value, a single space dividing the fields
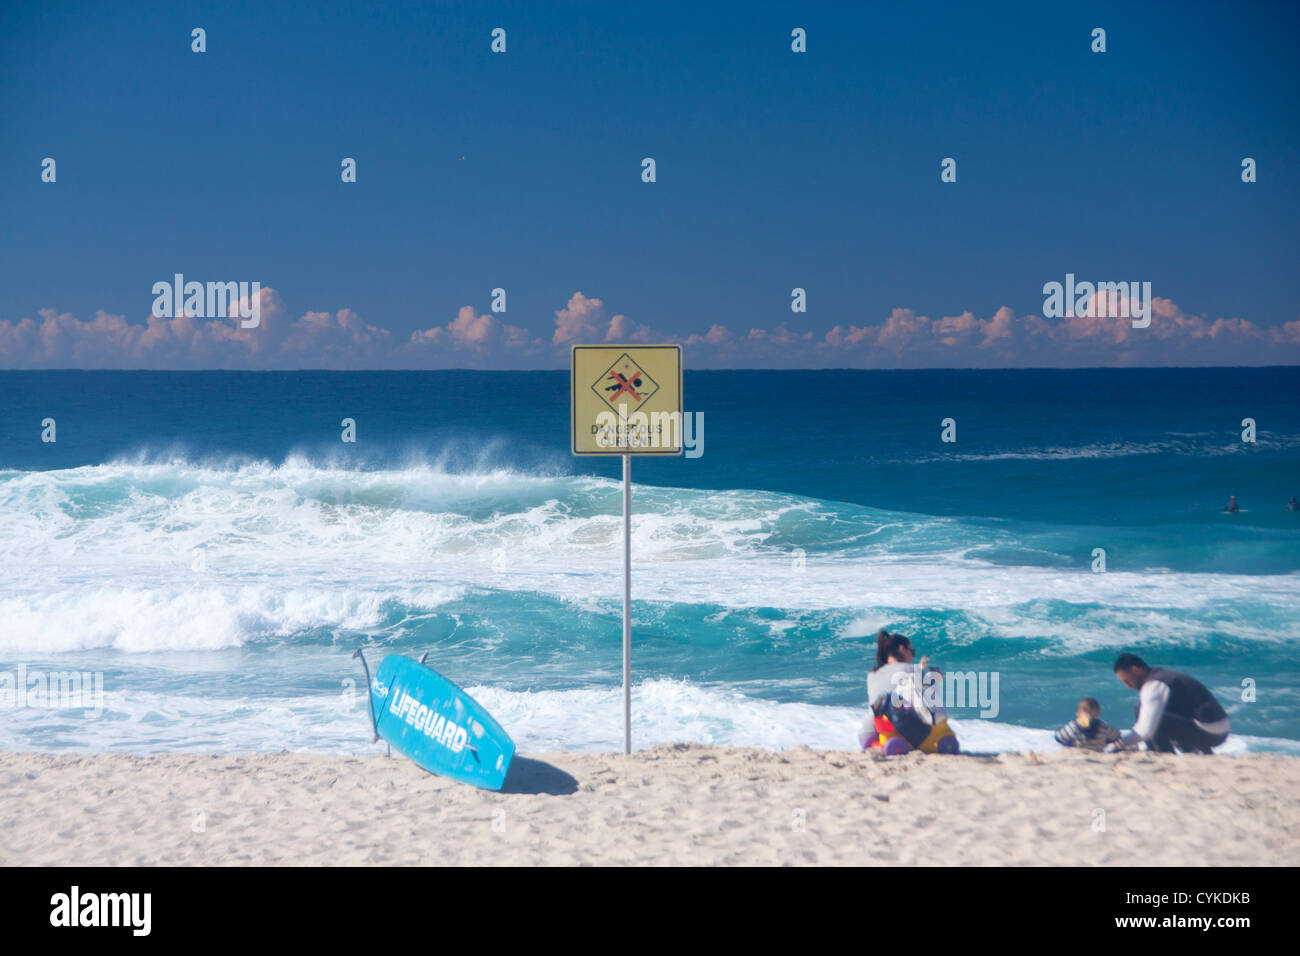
x=370 y=699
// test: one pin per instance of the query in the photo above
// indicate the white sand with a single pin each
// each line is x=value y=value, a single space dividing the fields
x=671 y=804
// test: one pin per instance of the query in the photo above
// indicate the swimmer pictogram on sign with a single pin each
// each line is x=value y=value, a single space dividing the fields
x=625 y=383
x=626 y=399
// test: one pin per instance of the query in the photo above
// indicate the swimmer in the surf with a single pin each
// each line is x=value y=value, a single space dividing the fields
x=1231 y=507
x=1293 y=505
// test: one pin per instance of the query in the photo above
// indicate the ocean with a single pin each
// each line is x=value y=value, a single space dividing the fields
x=206 y=544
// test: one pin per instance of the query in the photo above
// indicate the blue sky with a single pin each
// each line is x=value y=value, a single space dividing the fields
x=775 y=170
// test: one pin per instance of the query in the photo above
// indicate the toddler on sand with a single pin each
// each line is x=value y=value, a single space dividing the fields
x=1087 y=730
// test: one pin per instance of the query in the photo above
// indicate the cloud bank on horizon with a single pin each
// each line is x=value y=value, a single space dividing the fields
x=343 y=340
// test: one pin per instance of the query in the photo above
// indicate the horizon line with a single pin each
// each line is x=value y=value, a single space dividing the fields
x=833 y=368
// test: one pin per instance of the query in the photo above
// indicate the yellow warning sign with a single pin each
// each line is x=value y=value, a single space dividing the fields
x=626 y=399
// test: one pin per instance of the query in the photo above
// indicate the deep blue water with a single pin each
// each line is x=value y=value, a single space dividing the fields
x=207 y=542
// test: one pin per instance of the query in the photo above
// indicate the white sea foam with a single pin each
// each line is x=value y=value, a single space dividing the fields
x=152 y=556
x=193 y=616
x=1208 y=444
x=580 y=720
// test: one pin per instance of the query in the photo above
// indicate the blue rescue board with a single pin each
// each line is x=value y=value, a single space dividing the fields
x=444 y=730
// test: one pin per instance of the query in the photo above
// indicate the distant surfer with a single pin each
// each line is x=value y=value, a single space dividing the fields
x=1293 y=505
x=906 y=701
x=1231 y=507
x=1174 y=710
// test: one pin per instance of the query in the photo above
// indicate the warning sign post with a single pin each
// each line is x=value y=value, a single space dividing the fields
x=626 y=400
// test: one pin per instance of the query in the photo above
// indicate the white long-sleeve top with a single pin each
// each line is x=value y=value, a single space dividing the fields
x=1152 y=699
x=907 y=679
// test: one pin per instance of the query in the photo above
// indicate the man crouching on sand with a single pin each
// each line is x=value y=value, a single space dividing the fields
x=1173 y=711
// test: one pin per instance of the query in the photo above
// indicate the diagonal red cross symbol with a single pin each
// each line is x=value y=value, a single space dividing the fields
x=624 y=386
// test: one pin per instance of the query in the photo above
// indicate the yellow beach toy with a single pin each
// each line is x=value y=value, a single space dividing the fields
x=940 y=739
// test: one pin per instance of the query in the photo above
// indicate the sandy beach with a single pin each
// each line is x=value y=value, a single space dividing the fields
x=671 y=804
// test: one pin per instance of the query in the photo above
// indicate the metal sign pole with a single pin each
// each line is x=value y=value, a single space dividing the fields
x=627 y=604
x=604 y=381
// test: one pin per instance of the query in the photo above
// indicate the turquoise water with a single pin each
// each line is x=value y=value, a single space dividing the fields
x=207 y=543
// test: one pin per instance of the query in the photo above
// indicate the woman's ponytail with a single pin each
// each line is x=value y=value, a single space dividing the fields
x=887 y=644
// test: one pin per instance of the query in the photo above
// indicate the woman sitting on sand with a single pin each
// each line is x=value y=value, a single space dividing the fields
x=906 y=702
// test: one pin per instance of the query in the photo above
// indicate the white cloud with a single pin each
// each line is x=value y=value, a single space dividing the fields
x=900 y=339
